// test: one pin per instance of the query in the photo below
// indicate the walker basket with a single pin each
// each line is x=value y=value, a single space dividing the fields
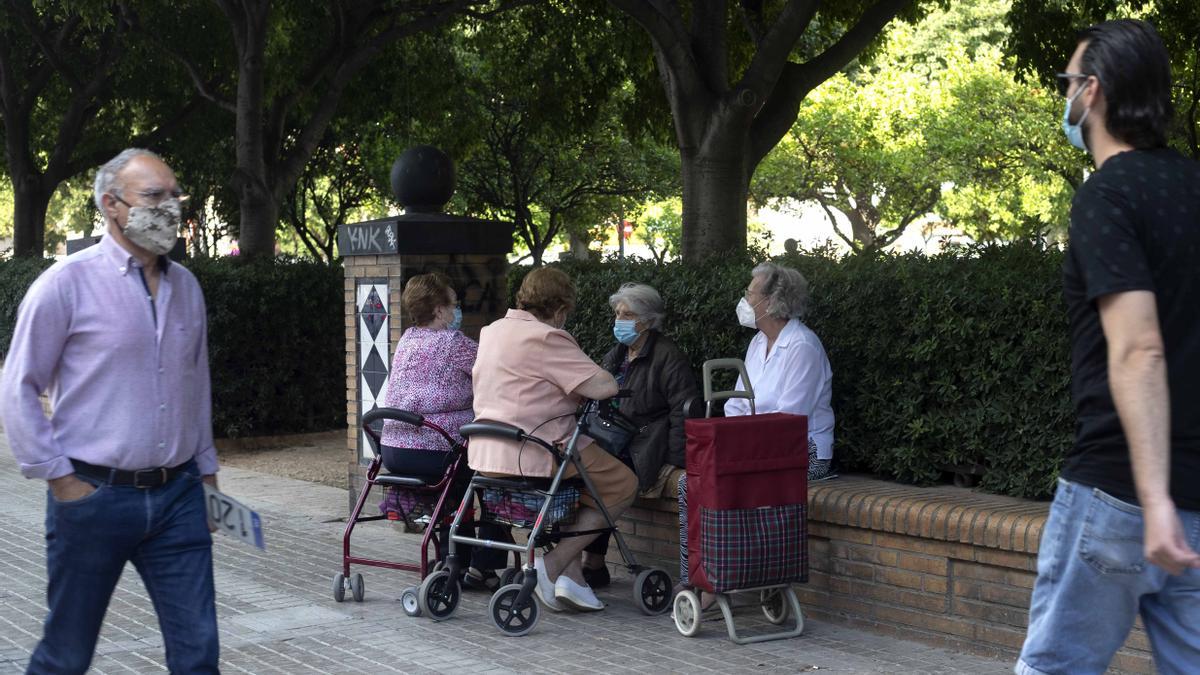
x=407 y=505
x=519 y=508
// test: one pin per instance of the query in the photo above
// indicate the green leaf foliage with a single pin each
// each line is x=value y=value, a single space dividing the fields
x=956 y=360
x=937 y=126
x=276 y=340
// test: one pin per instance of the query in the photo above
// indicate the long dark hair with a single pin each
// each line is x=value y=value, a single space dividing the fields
x=1134 y=69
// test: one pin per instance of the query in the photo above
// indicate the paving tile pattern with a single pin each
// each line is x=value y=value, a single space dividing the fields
x=277 y=614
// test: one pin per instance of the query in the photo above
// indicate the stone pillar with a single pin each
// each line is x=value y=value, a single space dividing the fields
x=379 y=257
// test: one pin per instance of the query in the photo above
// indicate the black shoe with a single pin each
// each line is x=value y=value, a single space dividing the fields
x=480 y=580
x=598 y=577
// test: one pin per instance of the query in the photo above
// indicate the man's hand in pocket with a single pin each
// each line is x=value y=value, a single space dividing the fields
x=69 y=488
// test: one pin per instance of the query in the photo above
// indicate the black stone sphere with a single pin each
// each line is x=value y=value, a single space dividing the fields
x=423 y=179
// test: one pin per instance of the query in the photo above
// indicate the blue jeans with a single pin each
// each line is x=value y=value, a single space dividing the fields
x=164 y=532
x=1092 y=583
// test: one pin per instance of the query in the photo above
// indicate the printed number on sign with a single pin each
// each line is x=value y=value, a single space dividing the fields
x=232 y=517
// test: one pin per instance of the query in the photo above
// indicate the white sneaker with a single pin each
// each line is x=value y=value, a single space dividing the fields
x=545 y=591
x=575 y=595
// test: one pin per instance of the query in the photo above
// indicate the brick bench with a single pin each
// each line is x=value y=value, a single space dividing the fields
x=944 y=565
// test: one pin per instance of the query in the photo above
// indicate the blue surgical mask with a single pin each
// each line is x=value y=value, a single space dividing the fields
x=1074 y=132
x=456 y=323
x=625 y=330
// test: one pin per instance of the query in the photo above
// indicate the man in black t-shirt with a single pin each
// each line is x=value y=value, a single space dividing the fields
x=1124 y=527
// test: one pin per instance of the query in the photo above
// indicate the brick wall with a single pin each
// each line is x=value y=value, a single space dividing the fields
x=943 y=565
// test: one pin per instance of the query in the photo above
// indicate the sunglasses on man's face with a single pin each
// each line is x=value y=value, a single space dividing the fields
x=1063 y=80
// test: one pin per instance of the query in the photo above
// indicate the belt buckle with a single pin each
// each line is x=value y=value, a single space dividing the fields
x=162 y=474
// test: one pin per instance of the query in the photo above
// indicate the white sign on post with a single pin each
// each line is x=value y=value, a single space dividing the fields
x=232 y=517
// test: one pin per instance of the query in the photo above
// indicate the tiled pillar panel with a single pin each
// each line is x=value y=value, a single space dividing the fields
x=379 y=257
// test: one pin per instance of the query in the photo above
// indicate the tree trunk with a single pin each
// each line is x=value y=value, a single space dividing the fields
x=579 y=247
x=863 y=228
x=30 y=202
x=715 y=189
x=258 y=208
x=259 y=214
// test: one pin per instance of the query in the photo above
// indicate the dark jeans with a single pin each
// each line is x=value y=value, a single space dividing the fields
x=431 y=466
x=164 y=532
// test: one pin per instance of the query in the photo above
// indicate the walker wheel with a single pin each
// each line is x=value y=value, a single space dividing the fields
x=339 y=587
x=356 y=587
x=512 y=620
x=438 y=595
x=687 y=613
x=409 y=601
x=652 y=591
x=774 y=605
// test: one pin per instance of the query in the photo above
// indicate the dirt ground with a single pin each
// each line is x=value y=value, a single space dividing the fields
x=318 y=458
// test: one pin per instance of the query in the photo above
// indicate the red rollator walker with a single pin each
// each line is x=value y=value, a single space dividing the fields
x=747 y=500
x=435 y=500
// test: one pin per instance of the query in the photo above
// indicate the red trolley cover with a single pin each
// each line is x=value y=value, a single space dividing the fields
x=742 y=462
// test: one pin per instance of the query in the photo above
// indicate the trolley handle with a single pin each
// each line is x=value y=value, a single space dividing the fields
x=505 y=431
x=406 y=416
x=725 y=364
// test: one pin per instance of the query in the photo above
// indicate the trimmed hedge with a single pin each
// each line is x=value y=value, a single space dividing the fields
x=276 y=344
x=276 y=340
x=16 y=276
x=955 y=360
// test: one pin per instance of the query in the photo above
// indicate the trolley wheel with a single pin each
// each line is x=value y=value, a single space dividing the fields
x=652 y=591
x=511 y=575
x=687 y=613
x=438 y=566
x=438 y=595
x=409 y=601
x=339 y=587
x=514 y=621
x=774 y=605
x=357 y=589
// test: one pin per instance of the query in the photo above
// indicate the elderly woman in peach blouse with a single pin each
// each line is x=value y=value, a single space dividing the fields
x=532 y=374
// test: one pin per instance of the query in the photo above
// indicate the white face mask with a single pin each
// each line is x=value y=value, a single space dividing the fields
x=745 y=313
x=154 y=228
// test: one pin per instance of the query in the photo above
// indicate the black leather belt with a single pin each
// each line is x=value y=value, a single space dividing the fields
x=144 y=478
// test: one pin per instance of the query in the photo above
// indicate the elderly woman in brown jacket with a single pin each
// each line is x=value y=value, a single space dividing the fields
x=659 y=378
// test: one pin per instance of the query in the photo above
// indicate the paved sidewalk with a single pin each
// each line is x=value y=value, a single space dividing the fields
x=277 y=614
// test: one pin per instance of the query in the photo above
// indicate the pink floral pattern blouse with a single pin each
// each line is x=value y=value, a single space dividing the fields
x=431 y=375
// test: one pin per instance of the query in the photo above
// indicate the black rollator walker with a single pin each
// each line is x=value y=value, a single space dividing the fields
x=540 y=505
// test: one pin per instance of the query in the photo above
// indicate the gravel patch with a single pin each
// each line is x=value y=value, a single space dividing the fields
x=317 y=458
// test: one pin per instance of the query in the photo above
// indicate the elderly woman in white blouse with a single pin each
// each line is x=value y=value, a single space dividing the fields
x=788 y=370
x=786 y=362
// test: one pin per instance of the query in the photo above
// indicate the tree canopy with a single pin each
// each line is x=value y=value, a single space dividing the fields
x=562 y=116
x=937 y=126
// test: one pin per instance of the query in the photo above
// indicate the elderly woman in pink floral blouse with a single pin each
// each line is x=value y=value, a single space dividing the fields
x=431 y=375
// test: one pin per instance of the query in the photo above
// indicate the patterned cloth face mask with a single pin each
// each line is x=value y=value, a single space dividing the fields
x=154 y=228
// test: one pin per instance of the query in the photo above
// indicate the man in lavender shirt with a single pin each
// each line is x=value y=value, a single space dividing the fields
x=117 y=334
